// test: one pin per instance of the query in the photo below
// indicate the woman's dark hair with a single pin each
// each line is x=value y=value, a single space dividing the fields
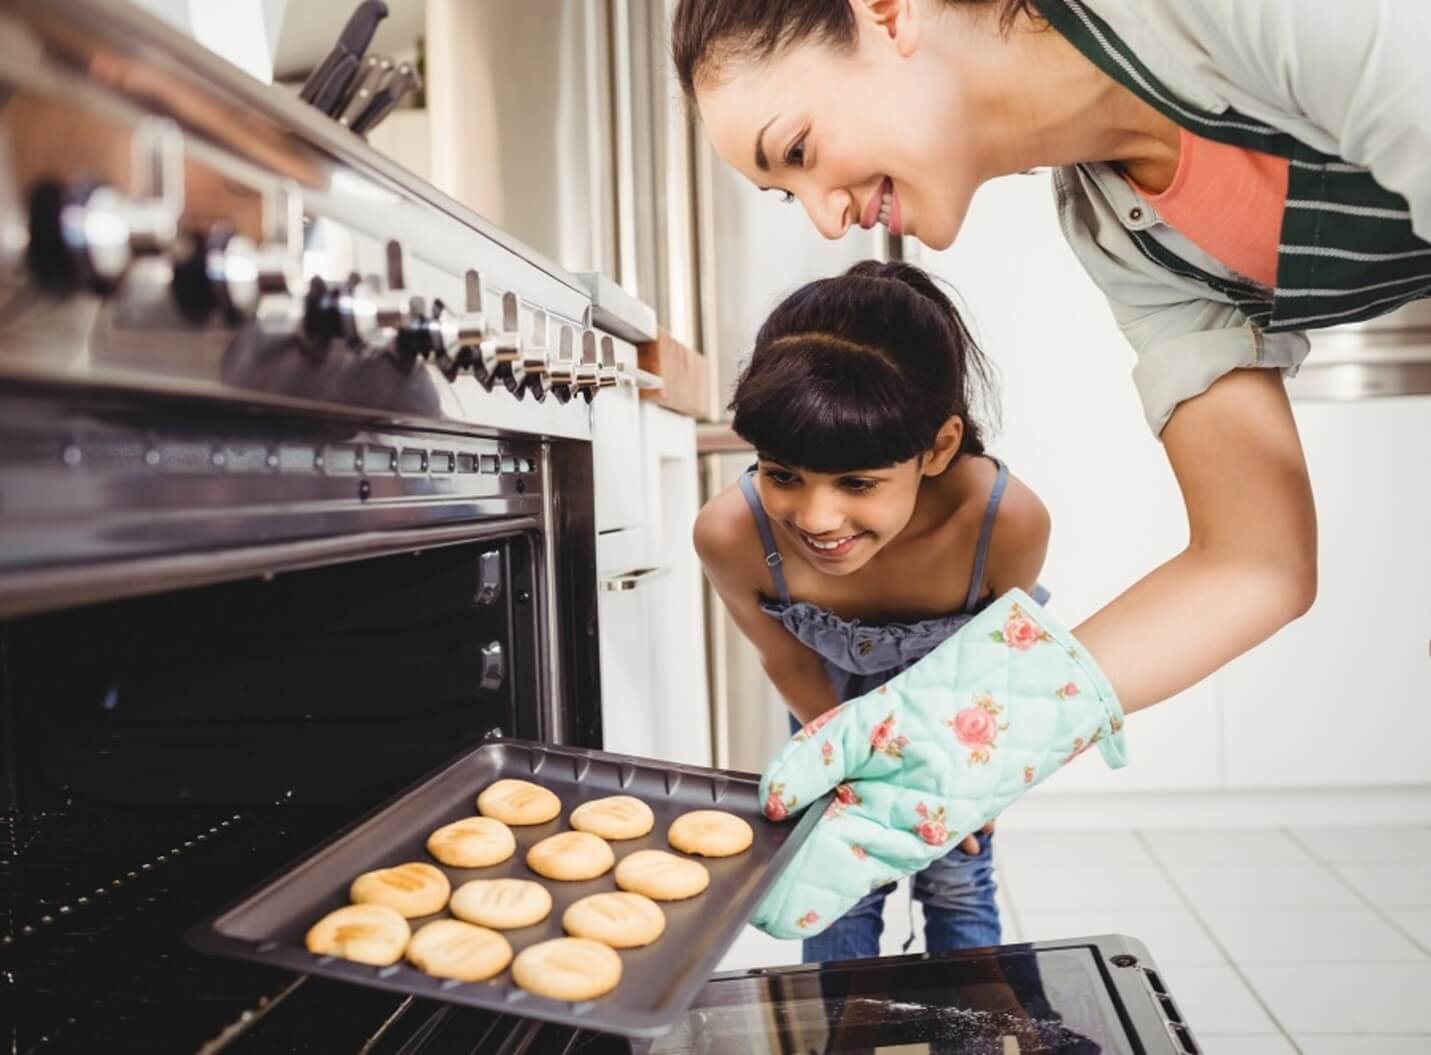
x=706 y=34
x=860 y=372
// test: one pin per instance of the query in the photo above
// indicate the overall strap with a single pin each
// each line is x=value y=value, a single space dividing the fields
x=767 y=537
x=986 y=533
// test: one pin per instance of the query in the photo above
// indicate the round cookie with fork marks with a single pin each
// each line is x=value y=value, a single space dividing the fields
x=662 y=876
x=518 y=802
x=472 y=842
x=710 y=833
x=571 y=856
x=567 y=969
x=614 y=817
x=504 y=904
x=449 y=948
x=616 y=918
x=371 y=934
x=412 y=889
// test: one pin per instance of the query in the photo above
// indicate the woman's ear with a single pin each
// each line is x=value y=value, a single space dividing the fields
x=893 y=21
x=947 y=442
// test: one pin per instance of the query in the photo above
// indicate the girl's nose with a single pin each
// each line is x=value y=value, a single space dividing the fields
x=819 y=515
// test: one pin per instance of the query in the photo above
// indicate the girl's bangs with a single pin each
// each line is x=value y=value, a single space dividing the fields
x=826 y=410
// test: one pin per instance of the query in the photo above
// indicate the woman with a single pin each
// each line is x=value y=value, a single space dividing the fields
x=1230 y=173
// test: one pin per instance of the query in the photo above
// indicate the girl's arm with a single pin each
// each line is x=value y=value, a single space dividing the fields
x=729 y=547
x=1250 y=566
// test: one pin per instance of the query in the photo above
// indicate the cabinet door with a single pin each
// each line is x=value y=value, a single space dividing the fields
x=1343 y=695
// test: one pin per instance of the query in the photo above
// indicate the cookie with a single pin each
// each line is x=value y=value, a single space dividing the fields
x=614 y=817
x=449 y=948
x=505 y=904
x=412 y=889
x=567 y=969
x=662 y=876
x=518 y=802
x=710 y=833
x=621 y=920
x=371 y=934
x=571 y=856
x=472 y=842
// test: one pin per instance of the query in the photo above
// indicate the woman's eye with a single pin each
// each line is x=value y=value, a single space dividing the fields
x=787 y=198
x=795 y=156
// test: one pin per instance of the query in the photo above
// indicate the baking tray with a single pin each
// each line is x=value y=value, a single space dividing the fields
x=658 y=982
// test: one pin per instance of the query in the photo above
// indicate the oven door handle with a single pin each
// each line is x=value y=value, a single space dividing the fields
x=632 y=579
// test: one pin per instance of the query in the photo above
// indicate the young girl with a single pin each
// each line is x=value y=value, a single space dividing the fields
x=873 y=527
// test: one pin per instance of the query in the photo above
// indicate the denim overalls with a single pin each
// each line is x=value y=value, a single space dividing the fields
x=957 y=891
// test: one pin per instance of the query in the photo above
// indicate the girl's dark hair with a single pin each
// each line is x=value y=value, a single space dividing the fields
x=706 y=34
x=860 y=372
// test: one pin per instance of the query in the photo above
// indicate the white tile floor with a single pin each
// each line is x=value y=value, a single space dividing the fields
x=1274 y=942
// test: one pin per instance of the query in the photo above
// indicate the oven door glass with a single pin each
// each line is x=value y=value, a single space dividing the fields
x=1014 y=1000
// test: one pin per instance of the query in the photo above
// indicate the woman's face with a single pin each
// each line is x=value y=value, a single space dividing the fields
x=839 y=521
x=873 y=134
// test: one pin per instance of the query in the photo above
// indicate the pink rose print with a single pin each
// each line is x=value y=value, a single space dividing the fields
x=884 y=741
x=845 y=797
x=815 y=724
x=931 y=827
x=776 y=808
x=808 y=920
x=1067 y=692
x=1020 y=632
x=827 y=752
x=978 y=727
x=859 y=851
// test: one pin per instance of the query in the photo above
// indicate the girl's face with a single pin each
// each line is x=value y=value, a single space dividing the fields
x=839 y=520
x=878 y=134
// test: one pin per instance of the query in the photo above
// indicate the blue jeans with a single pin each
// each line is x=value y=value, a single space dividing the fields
x=957 y=892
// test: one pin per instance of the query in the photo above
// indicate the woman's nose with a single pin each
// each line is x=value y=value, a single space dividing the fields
x=831 y=212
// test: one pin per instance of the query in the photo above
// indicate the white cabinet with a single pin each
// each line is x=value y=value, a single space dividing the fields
x=1343 y=695
x=653 y=658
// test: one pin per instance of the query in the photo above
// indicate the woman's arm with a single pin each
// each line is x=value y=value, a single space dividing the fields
x=729 y=547
x=1250 y=566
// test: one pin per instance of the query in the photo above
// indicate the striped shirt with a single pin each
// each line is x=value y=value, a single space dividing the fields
x=1343 y=92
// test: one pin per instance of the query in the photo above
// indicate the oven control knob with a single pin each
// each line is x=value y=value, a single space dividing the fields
x=85 y=235
x=225 y=272
x=535 y=357
x=346 y=312
x=588 y=365
x=561 y=368
x=449 y=337
x=500 y=355
x=608 y=371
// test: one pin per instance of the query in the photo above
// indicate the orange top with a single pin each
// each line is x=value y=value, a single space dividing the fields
x=1228 y=202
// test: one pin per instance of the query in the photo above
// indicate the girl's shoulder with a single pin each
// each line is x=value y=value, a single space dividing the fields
x=725 y=536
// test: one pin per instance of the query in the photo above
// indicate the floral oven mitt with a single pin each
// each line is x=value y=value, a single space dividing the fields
x=931 y=756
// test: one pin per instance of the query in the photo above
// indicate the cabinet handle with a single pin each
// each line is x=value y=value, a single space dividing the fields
x=632 y=579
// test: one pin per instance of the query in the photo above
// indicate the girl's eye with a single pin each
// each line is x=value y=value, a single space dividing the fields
x=787 y=198
x=779 y=478
x=859 y=487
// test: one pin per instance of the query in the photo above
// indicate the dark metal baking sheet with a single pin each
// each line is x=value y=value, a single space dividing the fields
x=658 y=982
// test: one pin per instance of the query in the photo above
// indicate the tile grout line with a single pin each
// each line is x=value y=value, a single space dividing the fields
x=1357 y=893
x=1162 y=867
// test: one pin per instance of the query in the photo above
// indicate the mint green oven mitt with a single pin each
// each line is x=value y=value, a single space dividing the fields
x=932 y=755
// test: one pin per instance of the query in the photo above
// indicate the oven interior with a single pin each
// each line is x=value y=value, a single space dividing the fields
x=165 y=753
